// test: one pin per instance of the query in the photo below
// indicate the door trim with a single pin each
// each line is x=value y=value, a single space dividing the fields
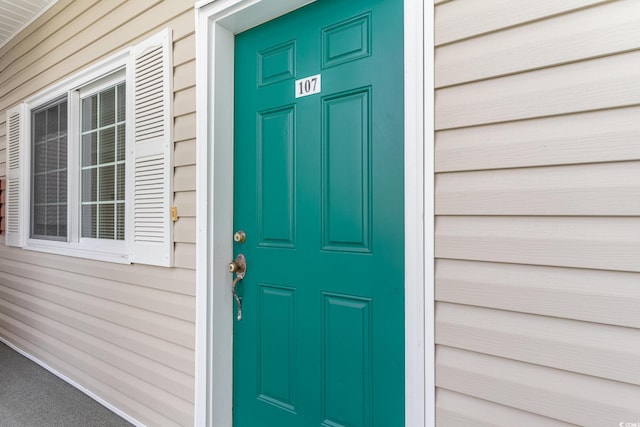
x=216 y=23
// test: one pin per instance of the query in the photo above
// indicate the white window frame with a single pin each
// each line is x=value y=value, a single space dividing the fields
x=111 y=71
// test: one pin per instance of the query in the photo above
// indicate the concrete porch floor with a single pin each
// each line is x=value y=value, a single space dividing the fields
x=30 y=396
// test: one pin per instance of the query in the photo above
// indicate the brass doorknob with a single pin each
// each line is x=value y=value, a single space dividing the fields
x=239 y=265
x=233 y=267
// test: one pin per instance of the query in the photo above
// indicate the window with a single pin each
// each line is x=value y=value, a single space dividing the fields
x=103 y=163
x=49 y=172
x=89 y=161
x=95 y=162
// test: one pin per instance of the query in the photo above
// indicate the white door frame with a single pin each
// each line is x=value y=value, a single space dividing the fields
x=216 y=23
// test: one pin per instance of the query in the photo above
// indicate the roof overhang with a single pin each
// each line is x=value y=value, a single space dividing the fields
x=16 y=15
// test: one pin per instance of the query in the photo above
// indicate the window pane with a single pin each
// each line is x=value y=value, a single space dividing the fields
x=107 y=107
x=49 y=172
x=52 y=154
x=52 y=122
x=52 y=220
x=89 y=221
x=120 y=221
x=62 y=220
x=52 y=189
x=120 y=182
x=38 y=189
x=62 y=120
x=89 y=149
x=107 y=184
x=62 y=187
x=121 y=142
x=90 y=113
x=121 y=102
x=103 y=167
x=89 y=187
x=39 y=222
x=106 y=221
x=62 y=152
x=108 y=145
x=40 y=157
x=39 y=126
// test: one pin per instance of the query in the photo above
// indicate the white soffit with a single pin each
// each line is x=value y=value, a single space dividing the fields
x=17 y=14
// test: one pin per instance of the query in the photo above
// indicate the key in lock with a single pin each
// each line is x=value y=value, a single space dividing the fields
x=239 y=268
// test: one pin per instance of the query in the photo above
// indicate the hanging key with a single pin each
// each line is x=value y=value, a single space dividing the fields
x=239 y=267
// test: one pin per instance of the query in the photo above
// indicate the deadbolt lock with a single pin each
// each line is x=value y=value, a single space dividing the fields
x=239 y=237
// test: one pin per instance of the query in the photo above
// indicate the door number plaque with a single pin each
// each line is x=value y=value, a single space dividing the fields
x=308 y=86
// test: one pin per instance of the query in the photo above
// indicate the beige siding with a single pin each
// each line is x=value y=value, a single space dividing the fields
x=600 y=136
x=124 y=332
x=459 y=410
x=582 y=86
x=568 y=293
x=184 y=127
x=183 y=76
x=185 y=153
x=185 y=255
x=604 y=189
x=184 y=110
x=562 y=395
x=184 y=49
x=187 y=202
x=537 y=212
x=532 y=46
x=184 y=101
x=570 y=345
x=185 y=230
x=184 y=178
x=461 y=19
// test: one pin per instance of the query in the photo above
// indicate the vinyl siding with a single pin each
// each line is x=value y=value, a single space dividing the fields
x=124 y=332
x=457 y=20
x=458 y=410
x=537 y=199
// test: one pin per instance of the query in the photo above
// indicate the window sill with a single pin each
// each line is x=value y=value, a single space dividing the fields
x=86 y=251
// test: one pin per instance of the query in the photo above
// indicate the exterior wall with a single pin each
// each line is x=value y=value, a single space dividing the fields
x=537 y=198
x=123 y=332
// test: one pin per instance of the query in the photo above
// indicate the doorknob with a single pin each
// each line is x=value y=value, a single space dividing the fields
x=239 y=267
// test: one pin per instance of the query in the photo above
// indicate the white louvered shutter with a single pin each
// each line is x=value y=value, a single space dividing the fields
x=152 y=241
x=15 y=143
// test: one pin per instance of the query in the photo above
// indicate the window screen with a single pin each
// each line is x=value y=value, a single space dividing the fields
x=49 y=172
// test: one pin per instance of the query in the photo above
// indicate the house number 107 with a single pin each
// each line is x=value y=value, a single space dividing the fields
x=308 y=86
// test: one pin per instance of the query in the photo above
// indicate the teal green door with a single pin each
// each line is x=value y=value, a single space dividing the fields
x=318 y=191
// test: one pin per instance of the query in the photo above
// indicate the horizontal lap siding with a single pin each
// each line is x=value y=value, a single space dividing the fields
x=600 y=136
x=587 y=348
x=462 y=19
x=528 y=47
x=580 y=242
x=554 y=393
x=599 y=296
x=594 y=84
x=123 y=332
x=537 y=231
x=459 y=410
x=603 y=189
x=184 y=109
